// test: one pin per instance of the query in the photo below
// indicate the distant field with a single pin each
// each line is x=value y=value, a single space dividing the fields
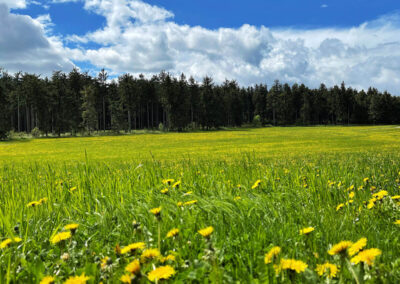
x=257 y=188
x=264 y=142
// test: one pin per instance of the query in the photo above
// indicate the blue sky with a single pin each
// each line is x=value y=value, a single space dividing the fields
x=309 y=41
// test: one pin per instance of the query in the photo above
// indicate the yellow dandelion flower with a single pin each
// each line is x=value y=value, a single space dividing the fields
x=162 y=272
x=397 y=222
x=206 y=232
x=149 y=254
x=47 y=280
x=60 y=237
x=8 y=242
x=33 y=204
x=173 y=233
x=71 y=227
x=370 y=205
x=133 y=247
x=380 y=195
x=366 y=180
x=164 y=191
x=306 y=231
x=43 y=200
x=340 y=247
x=191 y=202
x=273 y=252
x=351 y=195
x=293 y=264
x=77 y=279
x=357 y=246
x=133 y=267
x=177 y=184
x=327 y=268
x=256 y=184
x=188 y=193
x=126 y=278
x=350 y=188
x=169 y=257
x=237 y=198
x=72 y=189
x=156 y=211
x=340 y=206
x=367 y=256
x=104 y=262
x=316 y=255
x=179 y=204
x=168 y=181
x=396 y=197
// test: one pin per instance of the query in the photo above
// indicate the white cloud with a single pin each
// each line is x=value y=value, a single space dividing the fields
x=24 y=45
x=141 y=38
x=14 y=4
x=324 y=6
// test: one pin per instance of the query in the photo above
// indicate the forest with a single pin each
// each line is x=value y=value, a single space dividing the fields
x=75 y=102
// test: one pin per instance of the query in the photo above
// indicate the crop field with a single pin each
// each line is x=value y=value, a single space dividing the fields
x=267 y=205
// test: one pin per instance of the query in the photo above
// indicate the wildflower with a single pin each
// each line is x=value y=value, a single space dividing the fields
x=367 y=256
x=340 y=206
x=77 y=279
x=237 y=198
x=126 y=278
x=380 y=195
x=65 y=256
x=350 y=188
x=43 y=200
x=8 y=242
x=206 y=232
x=133 y=267
x=397 y=222
x=330 y=269
x=256 y=184
x=361 y=187
x=173 y=233
x=169 y=257
x=372 y=188
x=162 y=272
x=177 y=184
x=71 y=227
x=306 y=231
x=188 y=193
x=133 y=247
x=190 y=203
x=60 y=237
x=366 y=180
x=357 y=246
x=47 y=280
x=72 y=189
x=371 y=203
x=168 y=181
x=33 y=204
x=164 y=191
x=273 y=252
x=316 y=255
x=149 y=254
x=396 y=197
x=156 y=211
x=104 y=262
x=340 y=247
x=351 y=195
x=292 y=264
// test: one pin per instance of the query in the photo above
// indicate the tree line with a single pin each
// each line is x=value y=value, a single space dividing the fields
x=77 y=102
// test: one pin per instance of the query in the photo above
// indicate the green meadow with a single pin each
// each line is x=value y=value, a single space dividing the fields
x=256 y=188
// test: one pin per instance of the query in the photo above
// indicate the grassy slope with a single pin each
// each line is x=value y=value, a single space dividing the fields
x=120 y=182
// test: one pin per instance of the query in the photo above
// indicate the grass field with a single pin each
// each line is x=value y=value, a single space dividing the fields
x=257 y=188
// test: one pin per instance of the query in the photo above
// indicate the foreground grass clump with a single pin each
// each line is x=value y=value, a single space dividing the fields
x=301 y=213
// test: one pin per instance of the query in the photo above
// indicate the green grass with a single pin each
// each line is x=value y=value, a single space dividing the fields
x=119 y=179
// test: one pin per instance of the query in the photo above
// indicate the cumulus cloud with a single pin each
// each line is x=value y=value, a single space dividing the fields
x=24 y=45
x=143 y=38
x=14 y=4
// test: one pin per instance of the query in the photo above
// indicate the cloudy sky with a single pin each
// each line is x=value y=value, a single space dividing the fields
x=253 y=41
